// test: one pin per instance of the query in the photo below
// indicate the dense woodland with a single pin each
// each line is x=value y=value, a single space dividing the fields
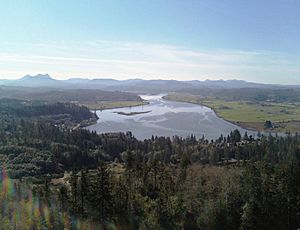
x=64 y=178
x=291 y=95
x=54 y=95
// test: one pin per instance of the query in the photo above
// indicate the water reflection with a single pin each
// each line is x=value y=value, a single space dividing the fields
x=166 y=118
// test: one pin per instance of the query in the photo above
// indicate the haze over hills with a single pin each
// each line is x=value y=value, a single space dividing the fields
x=133 y=85
x=40 y=80
x=115 y=127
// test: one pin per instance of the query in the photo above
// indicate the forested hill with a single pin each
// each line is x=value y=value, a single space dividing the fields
x=235 y=182
x=68 y=95
x=65 y=115
x=115 y=180
x=291 y=95
x=57 y=177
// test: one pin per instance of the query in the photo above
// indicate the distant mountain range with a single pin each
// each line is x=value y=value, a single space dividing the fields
x=131 y=85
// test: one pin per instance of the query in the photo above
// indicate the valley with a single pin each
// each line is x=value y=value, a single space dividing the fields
x=249 y=114
x=150 y=115
x=164 y=118
x=88 y=158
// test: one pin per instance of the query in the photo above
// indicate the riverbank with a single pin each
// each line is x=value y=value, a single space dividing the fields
x=106 y=105
x=248 y=115
x=86 y=123
x=103 y=105
x=167 y=118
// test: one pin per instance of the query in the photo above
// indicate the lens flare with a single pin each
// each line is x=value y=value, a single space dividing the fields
x=21 y=209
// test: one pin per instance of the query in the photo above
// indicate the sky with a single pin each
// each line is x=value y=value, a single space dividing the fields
x=257 y=40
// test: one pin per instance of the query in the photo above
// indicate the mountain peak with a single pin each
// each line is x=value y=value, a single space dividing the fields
x=37 y=77
x=44 y=76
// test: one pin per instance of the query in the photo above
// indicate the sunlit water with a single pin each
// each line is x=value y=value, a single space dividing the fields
x=166 y=118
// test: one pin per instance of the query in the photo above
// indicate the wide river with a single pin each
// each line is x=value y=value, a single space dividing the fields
x=166 y=118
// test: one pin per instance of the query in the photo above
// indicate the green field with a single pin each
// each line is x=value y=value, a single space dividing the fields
x=285 y=116
x=102 y=105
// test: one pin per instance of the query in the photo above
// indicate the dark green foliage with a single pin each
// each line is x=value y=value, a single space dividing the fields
x=250 y=94
x=59 y=114
x=160 y=183
x=67 y=95
x=102 y=200
x=271 y=203
x=268 y=125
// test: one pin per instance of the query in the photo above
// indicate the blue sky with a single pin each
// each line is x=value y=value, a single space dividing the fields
x=256 y=40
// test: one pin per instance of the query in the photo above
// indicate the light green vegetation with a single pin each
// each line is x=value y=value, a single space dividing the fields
x=101 y=105
x=285 y=116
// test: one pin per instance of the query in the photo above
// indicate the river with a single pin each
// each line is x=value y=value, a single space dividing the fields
x=164 y=118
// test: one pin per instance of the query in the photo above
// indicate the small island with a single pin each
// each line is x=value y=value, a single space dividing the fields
x=132 y=113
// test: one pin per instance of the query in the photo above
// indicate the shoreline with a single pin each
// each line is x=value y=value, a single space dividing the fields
x=241 y=125
x=85 y=123
x=249 y=126
x=115 y=105
x=93 y=121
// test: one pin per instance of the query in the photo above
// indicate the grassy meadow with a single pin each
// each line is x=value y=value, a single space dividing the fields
x=248 y=114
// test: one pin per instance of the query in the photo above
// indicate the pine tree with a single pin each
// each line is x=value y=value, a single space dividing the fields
x=102 y=193
x=84 y=191
x=74 y=191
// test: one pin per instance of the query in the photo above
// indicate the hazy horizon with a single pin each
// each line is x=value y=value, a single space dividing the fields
x=181 y=40
x=134 y=78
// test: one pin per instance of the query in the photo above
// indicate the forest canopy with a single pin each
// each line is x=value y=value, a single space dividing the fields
x=234 y=182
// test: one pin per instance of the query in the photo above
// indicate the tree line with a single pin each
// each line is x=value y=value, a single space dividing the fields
x=233 y=182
